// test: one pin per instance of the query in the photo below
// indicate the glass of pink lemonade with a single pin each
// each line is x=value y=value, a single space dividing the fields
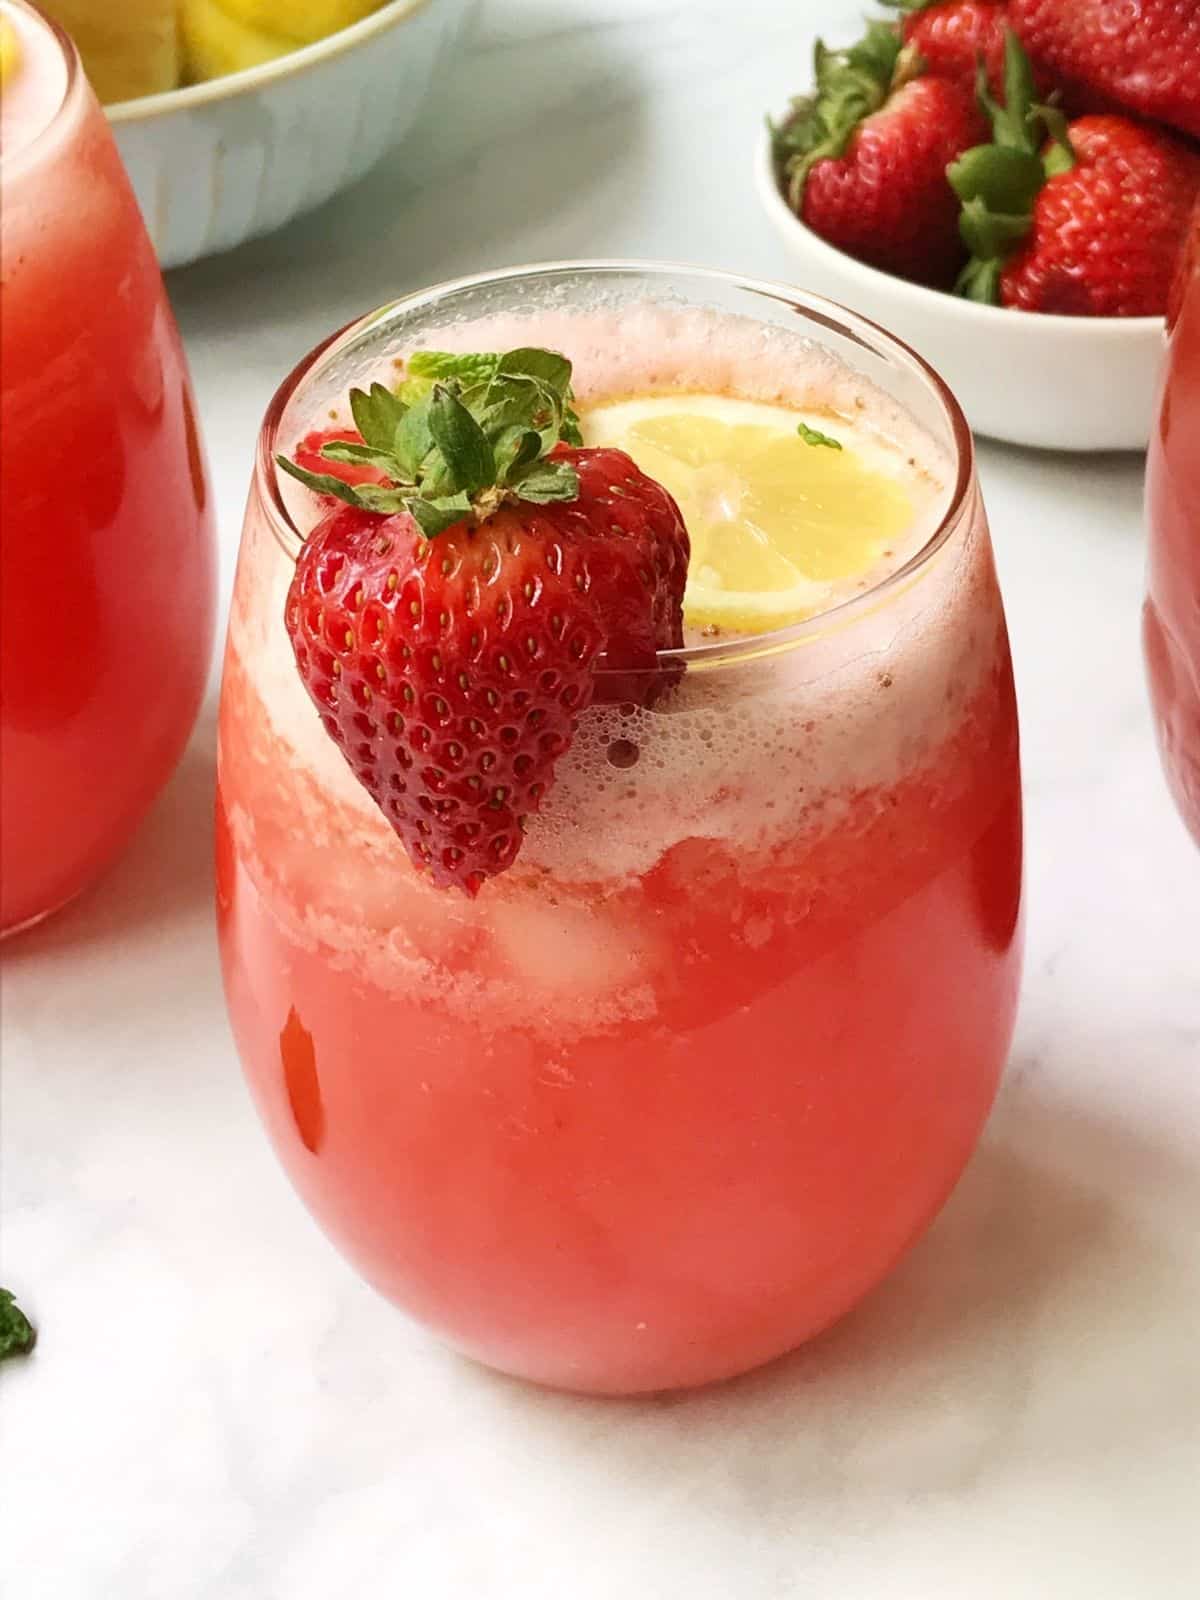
x=676 y=1087
x=1171 y=619
x=107 y=560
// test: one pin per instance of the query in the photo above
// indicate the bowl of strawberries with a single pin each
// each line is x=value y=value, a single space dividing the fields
x=1007 y=185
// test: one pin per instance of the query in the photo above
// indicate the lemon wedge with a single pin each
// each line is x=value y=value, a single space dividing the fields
x=781 y=528
x=129 y=49
x=302 y=21
x=10 y=51
x=215 y=42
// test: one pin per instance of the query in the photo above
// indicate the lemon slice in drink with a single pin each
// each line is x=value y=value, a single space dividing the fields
x=781 y=528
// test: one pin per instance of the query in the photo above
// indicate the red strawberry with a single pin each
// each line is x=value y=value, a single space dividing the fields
x=864 y=160
x=952 y=36
x=1107 y=234
x=1141 y=55
x=451 y=639
x=1090 y=225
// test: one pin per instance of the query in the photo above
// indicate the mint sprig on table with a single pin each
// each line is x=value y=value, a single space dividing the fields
x=17 y=1334
x=999 y=182
x=461 y=435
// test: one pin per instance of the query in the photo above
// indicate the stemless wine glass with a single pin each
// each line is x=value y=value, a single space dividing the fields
x=677 y=1089
x=108 y=558
x=1171 y=617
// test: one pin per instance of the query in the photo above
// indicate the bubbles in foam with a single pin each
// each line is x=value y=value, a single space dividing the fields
x=750 y=753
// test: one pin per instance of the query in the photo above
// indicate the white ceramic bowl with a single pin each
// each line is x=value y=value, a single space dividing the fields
x=1061 y=383
x=217 y=163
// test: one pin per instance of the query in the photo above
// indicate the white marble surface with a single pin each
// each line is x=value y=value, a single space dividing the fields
x=218 y=1408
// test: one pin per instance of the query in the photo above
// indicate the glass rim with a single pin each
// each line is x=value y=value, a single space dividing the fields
x=815 y=308
x=71 y=88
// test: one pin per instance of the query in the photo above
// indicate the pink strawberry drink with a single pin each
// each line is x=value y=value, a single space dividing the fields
x=676 y=1088
x=107 y=591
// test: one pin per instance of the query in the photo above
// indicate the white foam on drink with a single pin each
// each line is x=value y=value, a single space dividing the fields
x=756 y=754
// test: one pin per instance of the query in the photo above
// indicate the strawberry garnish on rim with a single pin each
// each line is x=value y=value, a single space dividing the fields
x=453 y=619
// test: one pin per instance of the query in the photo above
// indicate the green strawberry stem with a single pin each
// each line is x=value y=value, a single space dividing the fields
x=850 y=85
x=462 y=436
x=999 y=182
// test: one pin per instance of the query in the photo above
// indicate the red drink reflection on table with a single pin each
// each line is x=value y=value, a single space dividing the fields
x=107 y=562
x=1171 y=619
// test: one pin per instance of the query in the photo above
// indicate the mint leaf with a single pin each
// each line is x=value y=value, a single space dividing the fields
x=377 y=415
x=17 y=1334
x=814 y=436
x=469 y=368
x=424 y=368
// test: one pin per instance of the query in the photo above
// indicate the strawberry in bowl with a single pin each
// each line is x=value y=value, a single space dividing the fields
x=863 y=160
x=1143 y=58
x=1067 y=206
x=1086 y=218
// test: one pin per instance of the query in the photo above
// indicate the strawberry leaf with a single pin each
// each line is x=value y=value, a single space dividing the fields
x=515 y=448
x=358 y=454
x=980 y=281
x=377 y=415
x=547 y=366
x=435 y=516
x=850 y=85
x=548 y=481
x=470 y=463
x=477 y=436
x=321 y=482
x=378 y=497
x=1003 y=178
x=1060 y=157
x=999 y=183
x=413 y=441
x=990 y=235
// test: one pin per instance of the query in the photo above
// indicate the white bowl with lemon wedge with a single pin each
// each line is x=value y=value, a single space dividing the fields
x=277 y=126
